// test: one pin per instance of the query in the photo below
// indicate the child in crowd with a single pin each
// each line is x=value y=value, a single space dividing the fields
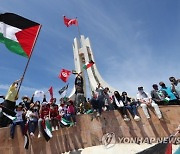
x=18 y=121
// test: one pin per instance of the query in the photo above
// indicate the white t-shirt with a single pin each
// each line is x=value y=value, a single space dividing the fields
x=144 y=96
x=19 y=116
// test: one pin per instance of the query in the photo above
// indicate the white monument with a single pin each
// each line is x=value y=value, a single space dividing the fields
x=82 y=55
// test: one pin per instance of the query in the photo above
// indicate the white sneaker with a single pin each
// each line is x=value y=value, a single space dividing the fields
x=53 y=129
x=126 y=118
x=39 y=135
x=160 y=117
x=136 y=118
x=97 y=114
x=78 y=113
x=32 y=134
x=56 y=127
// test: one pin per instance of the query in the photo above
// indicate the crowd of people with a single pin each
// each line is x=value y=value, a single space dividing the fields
x=30 y=114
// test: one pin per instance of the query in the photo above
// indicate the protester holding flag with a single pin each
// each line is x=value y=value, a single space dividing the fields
x=12 y=96
x=9 y=103
x=79 y=93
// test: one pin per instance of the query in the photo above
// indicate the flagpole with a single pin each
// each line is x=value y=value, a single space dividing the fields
x=28 y=60
x=78 y=29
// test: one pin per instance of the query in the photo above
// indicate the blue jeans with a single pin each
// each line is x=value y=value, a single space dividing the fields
x=32 y=126
x=13 y=126
x=132 y=109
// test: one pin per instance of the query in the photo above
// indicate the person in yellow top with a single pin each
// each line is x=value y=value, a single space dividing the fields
x=12 y=96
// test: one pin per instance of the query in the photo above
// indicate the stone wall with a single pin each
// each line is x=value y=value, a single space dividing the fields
x=89 y=132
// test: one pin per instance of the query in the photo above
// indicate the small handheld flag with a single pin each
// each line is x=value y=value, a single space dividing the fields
x=63 y=89
x=64 y=75
x=88 y=65
x=51 y=91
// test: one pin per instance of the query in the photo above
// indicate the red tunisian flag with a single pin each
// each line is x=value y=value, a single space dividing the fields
x=64 y=75
x=51 y=91
x=69 y=22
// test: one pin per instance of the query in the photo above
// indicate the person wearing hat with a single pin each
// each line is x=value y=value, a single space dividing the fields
x=18 y=121
x=146 y=101
x=32 y=119
x=26 y=102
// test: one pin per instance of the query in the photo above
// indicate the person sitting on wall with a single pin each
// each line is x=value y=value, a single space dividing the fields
x=160 y=97
x=53 y=115
x=130 y=105
x=146 y=101
x=32 y=119
x=172 y=98
x=18 y=121
x=71 y=111
x=108 y=102
x=119 y=105
x=100 y=99
x=44 y=116
x=175 y=86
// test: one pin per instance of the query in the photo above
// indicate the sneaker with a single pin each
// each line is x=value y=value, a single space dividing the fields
x=97 y=114
x=53 y=129
x=136 y=118
x=39 y=135
x=78 y=113
x=126 y=118
x=32 y=134
x=56 y=127
x=160 y=117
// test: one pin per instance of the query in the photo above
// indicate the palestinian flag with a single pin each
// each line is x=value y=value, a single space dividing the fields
x=26 y=141
x=46 y=130
x=10 y=117
x=65 y=123
x=160 y=148
x=18 y=33
x=86 y=66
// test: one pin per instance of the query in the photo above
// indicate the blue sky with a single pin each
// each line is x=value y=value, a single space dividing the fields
x=135 y=42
